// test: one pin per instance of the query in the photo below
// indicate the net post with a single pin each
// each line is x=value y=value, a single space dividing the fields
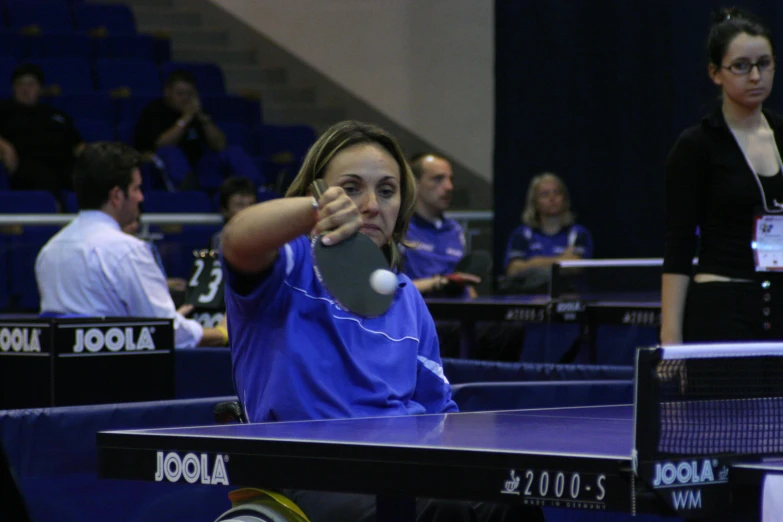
x=646 y=401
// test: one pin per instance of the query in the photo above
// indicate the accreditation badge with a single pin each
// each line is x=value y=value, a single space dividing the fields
x=767 y=243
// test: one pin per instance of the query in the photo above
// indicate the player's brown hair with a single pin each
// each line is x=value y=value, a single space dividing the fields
x=347 y=134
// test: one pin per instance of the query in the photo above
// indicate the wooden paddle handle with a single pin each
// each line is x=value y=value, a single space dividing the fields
x=318 y=187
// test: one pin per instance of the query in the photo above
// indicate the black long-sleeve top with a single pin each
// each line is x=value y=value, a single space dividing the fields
x=709 y=185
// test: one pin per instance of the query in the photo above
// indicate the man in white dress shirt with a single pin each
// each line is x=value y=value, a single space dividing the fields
x=91 y=267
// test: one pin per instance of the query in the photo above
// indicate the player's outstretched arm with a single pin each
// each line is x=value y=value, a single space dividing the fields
x=252 y=238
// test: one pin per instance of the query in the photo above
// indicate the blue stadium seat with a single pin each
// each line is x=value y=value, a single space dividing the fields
x=70 y=204
x=7 y=66
x=265 y=194
x=141 y=77
x=236 y=133
x=129 y=109
x=27 y=202
x=126 y=47
x=274 y=142
x=162 y=49
x=208 y=76
x=50 y=17
x=59 y=45
x=177 y=202
x=95 y=130
x=5 y=284
x=233 y=108
x=73 y=75
x=12 y=45
x=24 y=245
x=116 y=19
x=93 y=106
x=176 y=247
x=125 y=132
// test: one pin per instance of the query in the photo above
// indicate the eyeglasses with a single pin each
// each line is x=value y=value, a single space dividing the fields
x=743 y=67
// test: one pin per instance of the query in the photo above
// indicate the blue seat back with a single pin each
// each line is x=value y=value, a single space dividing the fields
x=59 y=45
x=208 y=76
x=140 y=76
x=116 y=19
x=73 y=75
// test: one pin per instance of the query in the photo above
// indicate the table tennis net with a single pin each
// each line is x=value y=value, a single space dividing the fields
x=711 y=399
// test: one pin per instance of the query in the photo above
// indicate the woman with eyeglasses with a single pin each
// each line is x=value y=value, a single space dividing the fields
x=723 y=178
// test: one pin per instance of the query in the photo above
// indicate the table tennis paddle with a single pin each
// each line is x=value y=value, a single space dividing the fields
x=477 y=264
x=344 y=269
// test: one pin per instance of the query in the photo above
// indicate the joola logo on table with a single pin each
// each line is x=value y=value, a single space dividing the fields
x=570 y=306
x=682 y=473
x=20 y=339
x=114 y=339
x=193 y=468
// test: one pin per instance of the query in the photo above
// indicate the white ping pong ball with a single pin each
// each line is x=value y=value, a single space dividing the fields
x=383 y=281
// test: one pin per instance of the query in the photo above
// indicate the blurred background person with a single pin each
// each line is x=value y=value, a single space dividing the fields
x=92 y=268
x=38 y=143
x=187 y=140
x=236 y=193
x=435 y=243
x=548 y=234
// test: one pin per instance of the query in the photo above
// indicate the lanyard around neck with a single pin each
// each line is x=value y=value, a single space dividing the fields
x=750 y=165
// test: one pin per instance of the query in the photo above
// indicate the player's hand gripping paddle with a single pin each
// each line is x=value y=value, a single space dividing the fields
x=345 y=269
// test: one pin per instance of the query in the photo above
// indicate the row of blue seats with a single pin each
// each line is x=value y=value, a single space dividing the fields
x=272 y=146
x=108 y=75
x=100 y=130
x=100 y=106
x=76 y=45
x=59 y=16
x=262 y=141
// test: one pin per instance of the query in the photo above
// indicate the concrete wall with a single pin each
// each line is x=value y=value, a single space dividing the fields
x=425 y=64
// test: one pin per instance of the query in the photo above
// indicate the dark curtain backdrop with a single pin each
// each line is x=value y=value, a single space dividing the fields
x=597 y=91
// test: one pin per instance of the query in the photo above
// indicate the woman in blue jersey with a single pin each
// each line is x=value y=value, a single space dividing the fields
x=548 y=234
x=295 y=354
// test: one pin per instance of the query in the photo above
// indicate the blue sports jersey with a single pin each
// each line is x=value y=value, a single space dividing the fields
x=526 y=242
x=297 y=355
x=434 y=248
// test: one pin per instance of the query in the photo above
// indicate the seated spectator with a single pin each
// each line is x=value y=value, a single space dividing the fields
x=186 y=138
x=91 y=267
x=435 y=243
x=548 y=234
x=38 y=143
x=434 y=246
x=235 y=194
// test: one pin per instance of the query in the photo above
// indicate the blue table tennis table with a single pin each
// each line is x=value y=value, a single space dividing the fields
x=578 y=458
x=588 y=310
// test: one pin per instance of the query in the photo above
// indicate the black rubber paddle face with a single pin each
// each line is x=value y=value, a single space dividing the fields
x=476 y=263
x=344 y=270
